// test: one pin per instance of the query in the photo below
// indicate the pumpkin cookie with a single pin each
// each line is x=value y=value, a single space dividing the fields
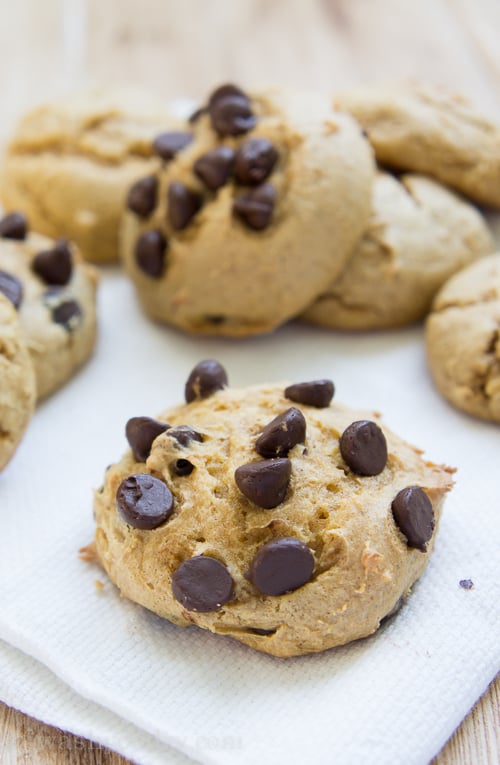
x=257 y=206
x=56 y=300
x=17 y=379
x=463 y=339
x=71 y=162
x=269 y=514
x=419 y=234
x=429 y=130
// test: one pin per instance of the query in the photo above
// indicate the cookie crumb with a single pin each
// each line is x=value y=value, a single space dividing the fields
x=99 y=585
x=466 y=584
x=88 y=554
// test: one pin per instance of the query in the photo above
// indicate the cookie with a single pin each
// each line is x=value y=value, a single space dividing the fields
x=55 y=296
x=428 y=130
x=419 y=234
x=17 y=378
x=70 y=163
x=255 y=209
x=463 y=339
x=269 y=514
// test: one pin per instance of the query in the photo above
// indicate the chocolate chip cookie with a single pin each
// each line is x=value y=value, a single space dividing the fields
x=463 y=339
x=17 y=378
x=256 y=206
x=270 y=513
x=419 y=234
x=428 y=130
x=54 y=292
x=70 y=163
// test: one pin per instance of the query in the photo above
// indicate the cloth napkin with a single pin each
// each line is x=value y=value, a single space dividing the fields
x=84 y=659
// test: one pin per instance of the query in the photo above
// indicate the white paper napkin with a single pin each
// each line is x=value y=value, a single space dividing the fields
x=395 y=697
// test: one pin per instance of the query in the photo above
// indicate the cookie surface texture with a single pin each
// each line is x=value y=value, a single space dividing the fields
x=289 y=555
x=463 y=339
x=428 y=130
x=71 y=162
x=253 y=217
x=17 y=381
x=57 y=310
x=419 y=234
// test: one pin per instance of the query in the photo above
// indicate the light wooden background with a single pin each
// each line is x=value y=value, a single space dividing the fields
x=185 y=47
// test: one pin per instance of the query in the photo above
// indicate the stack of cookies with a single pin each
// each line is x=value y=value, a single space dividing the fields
x=354 y=214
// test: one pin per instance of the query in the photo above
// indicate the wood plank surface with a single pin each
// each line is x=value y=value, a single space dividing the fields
x=185 y=48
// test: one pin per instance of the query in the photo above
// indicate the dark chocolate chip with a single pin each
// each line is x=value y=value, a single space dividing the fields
x=282 y=565
x=141 y=432
x=183 y=204
x=318 y=393
x=414 y=516
x=256 y=207
x=202 y=583
x=150 y=252
x=264 y=483
x=54 y=266
x=255 y=161
x=230 y=111
x=466 y=584
x=144 y=502
x=206 y=378
x=364 y=448
x=183 y=434
x=195 y=116
x=215 y=167
x=68 y=313
x=143 y=195
x=182 y=467
x=282 y=434
x=14 y=226
x=167 y=145
x=12 y=288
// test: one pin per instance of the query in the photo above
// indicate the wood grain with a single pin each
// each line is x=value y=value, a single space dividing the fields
x=185 y=48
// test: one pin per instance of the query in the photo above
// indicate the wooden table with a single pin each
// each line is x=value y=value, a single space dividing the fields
x=187 y=48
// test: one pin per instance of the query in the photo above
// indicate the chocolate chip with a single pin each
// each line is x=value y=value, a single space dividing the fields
x=182 y=467
x=142 y=196
x=195 y=116
x=14 y=226
x=144 y=502
x=54 y=266
x=264 y=483
x=256 y=207
x=183 y=434
x=364 y=448
x=167 y=145
x=230 y=111
x=282 y=434
x=318 y=393
x=466 y=584
x=141 y=432
x=68 y=313
x=183 y=204
x=282 y=565
x=414 y=516
x=215 y=167
x=206 y=378
x=150 y=252
x=202 y=583
x=255 y=161
x=12 y=288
